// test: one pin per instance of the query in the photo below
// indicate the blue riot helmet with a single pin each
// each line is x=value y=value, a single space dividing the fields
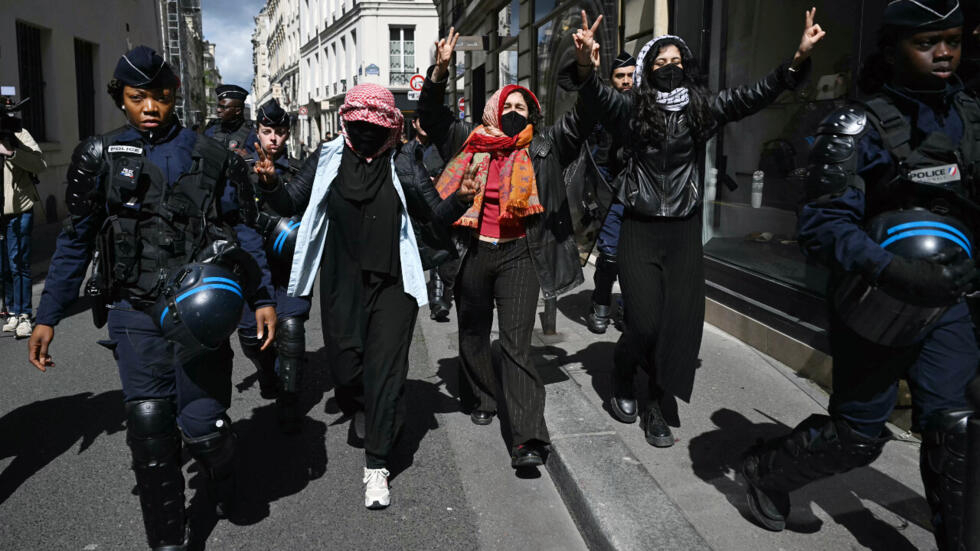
x=199 y=308
x=879 y=316
x=281 y=244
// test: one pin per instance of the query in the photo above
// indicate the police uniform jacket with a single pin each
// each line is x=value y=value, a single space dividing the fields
x=171 y=153
x=831 y=226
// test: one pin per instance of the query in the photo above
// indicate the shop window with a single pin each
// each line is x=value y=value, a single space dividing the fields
x=509 y=19
x=543 y=8
x=31 y=79
x=753 y=226
x=507 y=66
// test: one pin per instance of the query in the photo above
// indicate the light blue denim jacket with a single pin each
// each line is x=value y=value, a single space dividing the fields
x=312 y=233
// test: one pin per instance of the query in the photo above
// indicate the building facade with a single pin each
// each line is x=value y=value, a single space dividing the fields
x=276 y=59
x=526 y=42
x=186 y=50
x=212 y=79
x=62 y=59
x=343 y=43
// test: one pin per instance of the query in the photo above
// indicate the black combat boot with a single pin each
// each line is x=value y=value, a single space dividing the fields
x=817 y=448
x=291 y=343
x=598 y=318
x=623 y=402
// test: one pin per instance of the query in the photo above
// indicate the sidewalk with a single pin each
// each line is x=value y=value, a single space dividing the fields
x=625 y=494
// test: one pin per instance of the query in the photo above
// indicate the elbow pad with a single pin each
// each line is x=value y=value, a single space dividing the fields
x=833 y=158
x=87 y=165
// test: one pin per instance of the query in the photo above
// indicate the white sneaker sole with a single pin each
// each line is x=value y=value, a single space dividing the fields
x=377 y=503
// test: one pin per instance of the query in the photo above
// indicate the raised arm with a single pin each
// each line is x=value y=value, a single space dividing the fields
x=736 y=103
x=445 y=130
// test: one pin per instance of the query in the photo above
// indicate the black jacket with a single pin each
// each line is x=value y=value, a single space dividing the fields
x=549 y=234
x=664 y=178
x=431 y=215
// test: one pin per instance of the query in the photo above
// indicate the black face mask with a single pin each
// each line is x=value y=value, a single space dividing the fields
x=668 y=77
x=367 y=138
x=512 y=123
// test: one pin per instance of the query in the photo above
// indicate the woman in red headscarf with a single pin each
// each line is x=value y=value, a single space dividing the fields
x=371 y=278
x=515 y=240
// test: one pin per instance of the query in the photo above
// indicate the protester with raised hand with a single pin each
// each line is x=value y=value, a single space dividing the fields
x=515 y=241
x=666 y=120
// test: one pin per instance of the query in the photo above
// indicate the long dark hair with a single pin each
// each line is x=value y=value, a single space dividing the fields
x=649 y=124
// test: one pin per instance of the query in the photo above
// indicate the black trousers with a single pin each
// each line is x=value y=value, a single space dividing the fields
x=661 y=272
x=502 y=275
x=369 y=348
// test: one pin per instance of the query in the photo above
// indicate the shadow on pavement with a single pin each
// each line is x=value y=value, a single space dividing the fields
x=269 y=465
x=576 y=306
x=37 y=433
x=423 y=400
x=715 y=455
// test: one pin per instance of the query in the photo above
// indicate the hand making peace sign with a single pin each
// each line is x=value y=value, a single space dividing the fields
x=812 y=33
x=444 y=54
x=585 y=43
x=264 y=166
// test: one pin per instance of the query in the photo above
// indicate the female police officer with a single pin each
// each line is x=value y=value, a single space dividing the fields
x=887 y=188
x=151 y=193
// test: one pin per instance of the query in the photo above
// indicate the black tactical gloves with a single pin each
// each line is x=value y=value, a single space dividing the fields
x=935 y=281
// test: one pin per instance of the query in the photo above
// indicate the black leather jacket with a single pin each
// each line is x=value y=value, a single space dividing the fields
x=549 y=234
x=664 y=179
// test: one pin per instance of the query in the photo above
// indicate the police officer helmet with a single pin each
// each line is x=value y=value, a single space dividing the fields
x=282 y=242
x=885 y=319
x=199 y=308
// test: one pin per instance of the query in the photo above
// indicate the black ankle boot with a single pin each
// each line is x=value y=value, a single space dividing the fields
x=655 y=428
x=598 y=318
x=623 y=402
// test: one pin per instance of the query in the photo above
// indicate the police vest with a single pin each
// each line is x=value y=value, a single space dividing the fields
x=153 y=228
x=236 y=139
x=936 y=175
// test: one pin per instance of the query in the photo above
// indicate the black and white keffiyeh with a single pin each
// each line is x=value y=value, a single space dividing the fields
x=674 y=100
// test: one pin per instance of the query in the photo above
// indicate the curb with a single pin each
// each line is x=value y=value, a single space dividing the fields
x=615 y=501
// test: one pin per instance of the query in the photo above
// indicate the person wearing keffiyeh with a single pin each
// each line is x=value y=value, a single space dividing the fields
x=515 y=241
x=357 y=231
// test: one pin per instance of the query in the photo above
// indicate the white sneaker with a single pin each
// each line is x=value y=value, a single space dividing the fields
x=11 y=324
x=376 y=493
x=24 y=326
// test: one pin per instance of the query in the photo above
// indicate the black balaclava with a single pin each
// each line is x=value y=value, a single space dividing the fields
x=367 y=138
x=512 y=123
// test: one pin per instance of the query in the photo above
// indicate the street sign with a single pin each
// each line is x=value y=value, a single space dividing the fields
x=474 y=43
x=416 y=82
x=303 y=110
x=413 y=95
x=462 y=104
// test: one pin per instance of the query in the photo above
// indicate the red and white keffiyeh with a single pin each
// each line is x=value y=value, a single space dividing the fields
x=374 y=104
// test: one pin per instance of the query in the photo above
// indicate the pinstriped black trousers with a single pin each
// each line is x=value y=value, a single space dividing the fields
x=502 y=276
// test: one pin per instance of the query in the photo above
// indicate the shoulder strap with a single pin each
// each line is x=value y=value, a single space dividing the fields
x=895 y=131
x=213 y=157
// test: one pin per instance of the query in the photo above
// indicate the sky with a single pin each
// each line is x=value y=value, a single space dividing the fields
x=229 y=24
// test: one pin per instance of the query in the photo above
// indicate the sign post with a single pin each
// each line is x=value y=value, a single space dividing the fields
x=303 y=113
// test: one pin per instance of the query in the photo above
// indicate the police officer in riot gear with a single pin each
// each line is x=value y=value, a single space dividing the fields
x=272 y=158
x=150 y=198
x=891 y=190
x=231 y=128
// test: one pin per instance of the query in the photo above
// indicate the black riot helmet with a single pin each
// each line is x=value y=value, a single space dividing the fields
x=282 y=242
x=891 y=320
x=199 y=308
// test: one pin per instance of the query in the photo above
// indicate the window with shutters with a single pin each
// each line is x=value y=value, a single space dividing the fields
x=31 y=79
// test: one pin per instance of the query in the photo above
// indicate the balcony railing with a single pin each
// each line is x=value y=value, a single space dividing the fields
x=399 y=78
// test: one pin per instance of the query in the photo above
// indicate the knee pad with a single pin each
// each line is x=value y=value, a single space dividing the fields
x=151 y=430
x=251 y=344
x=203 y=416
x=291 y=337
x=818 y=447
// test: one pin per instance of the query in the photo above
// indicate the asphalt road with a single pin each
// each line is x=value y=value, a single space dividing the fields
x=65 y=481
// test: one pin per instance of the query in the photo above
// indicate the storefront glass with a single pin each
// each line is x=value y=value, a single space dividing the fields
x=509 y=19
x=765 y=155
